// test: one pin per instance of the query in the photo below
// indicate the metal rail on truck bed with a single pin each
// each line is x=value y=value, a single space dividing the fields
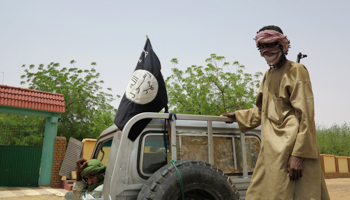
x=117 y=186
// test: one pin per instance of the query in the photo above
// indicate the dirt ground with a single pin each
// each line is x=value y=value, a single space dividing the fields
x=339 y=189
x=36 y=197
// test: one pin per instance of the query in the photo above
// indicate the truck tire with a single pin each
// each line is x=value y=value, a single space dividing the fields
x=201 y=181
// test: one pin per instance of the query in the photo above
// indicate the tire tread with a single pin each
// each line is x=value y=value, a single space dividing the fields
x=153 y=183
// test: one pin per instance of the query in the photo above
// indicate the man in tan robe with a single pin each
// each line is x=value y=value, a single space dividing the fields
x=288 y=166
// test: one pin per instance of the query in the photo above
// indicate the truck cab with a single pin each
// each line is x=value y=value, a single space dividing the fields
x=202 y=138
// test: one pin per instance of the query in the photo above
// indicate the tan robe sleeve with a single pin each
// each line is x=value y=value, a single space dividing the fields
x=251 y=118
x=248 y=119
x=302 y=100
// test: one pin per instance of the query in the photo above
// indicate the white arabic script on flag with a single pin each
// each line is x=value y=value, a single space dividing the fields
x=142 y=87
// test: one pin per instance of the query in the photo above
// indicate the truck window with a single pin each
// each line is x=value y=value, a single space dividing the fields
x=194 y=145
x=252 y=146
x=103 y=153
x=223 y=154
x=153 y=153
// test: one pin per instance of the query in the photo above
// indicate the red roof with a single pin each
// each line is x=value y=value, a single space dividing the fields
x=33 y=99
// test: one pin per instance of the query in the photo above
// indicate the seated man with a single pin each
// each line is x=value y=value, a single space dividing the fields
x=89 y=184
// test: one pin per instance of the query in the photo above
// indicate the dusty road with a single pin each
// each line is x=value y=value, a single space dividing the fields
x=339 y=189
x=36 y=197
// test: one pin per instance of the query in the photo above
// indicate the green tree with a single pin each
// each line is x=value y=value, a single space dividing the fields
x=334 y=140
x=213 y=89
x=88 y=109
x=21 y=129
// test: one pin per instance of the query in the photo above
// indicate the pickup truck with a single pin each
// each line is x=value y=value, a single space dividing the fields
x=213 y=159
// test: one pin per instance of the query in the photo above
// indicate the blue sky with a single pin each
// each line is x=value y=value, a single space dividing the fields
x=112 y=34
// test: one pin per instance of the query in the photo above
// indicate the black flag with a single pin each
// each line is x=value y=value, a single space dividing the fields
x=145 y=92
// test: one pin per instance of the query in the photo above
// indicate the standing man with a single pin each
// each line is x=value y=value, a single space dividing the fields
x=288 y=166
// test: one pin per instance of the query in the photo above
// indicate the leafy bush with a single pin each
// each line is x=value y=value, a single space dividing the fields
x=88 y=108
x=21 y=129
x=334 y=140
x=213 y=89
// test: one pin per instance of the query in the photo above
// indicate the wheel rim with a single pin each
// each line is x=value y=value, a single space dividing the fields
x=198 y=194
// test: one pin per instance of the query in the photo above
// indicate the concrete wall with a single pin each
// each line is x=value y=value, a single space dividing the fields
x=335 y=166
x=343 y=165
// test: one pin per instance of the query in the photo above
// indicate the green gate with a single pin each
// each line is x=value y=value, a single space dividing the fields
x=20 y=155
x=19 y=165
